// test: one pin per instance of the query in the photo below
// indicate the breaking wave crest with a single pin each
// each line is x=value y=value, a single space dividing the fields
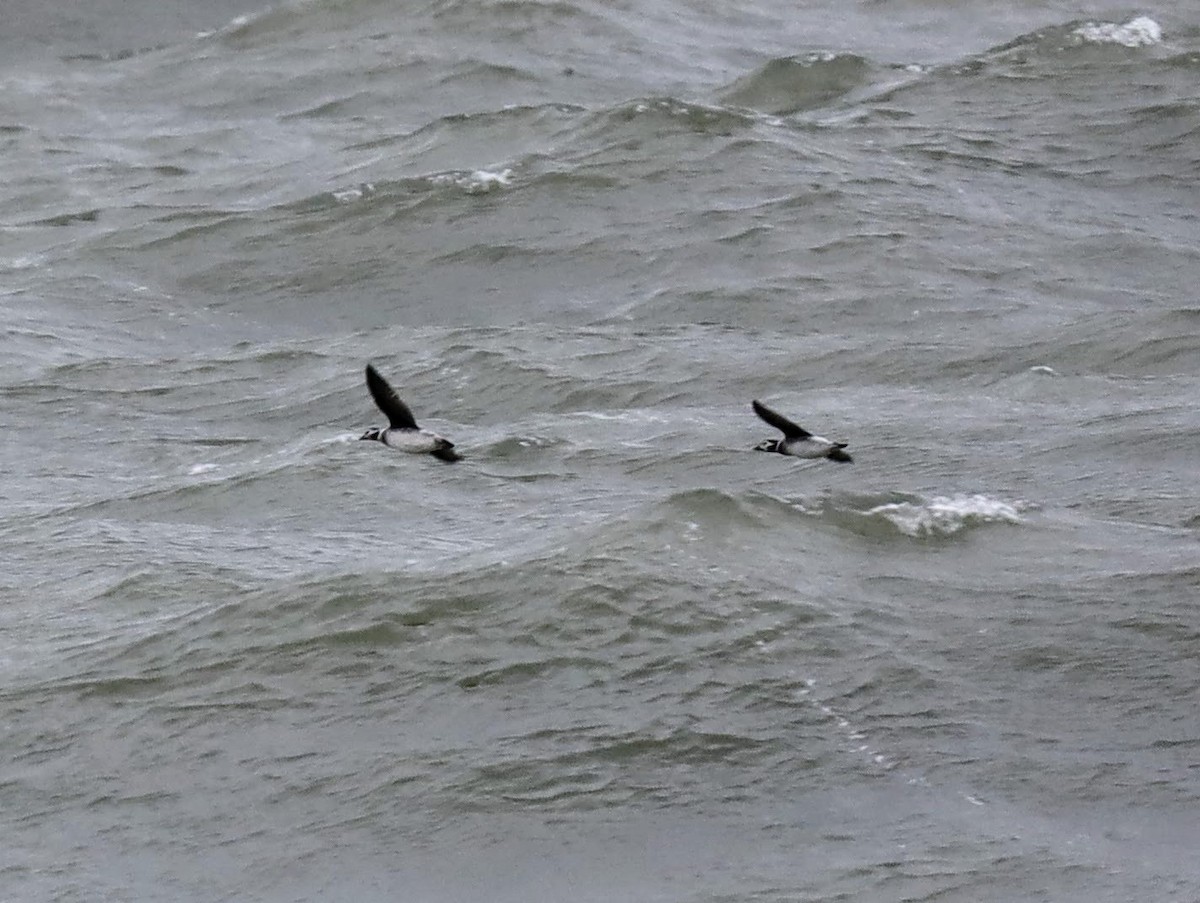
x=945 y=516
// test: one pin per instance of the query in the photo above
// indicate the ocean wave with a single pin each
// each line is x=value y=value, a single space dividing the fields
x=298 y=21
x=506 y=133
x=916 y=517
x=649 y=112
x=1068 y=41
x=798 y=83
x=1141 y=31
x=625 y=132
x=946 y=516
x=1046 y=53
x=479 y=181
x=520 y=17
x=330 y=209
x=111 y=56
x=581 y=597
x=704 y=514
x=596 y=773
x=294 y=19
x=401 y=195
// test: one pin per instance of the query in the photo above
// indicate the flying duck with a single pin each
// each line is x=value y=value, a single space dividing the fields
x=796 y=441
x=402 y=432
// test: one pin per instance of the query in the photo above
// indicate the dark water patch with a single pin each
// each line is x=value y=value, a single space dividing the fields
x=648 y=116
x=1187 y=60
x=111 y=56
x=1177 y=121
x=1171 y=627
x=625 y=131
x=143 y=588
x=335 y=109
x=491 y=74
x=120 y=687
x=1160 y=355
x=214 y=442
x=379 y=635
x=680 y=746
x=601 y=770
x=67 y=219
x=710 y=507
x=753 y=306
x=295 y=626
x=487 y=254
x=586 y=671
x=800 y=83
x=197 y=225
x=487 y=127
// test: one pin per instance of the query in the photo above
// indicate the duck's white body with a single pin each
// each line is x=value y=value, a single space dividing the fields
x=812 y=447
x=413 y=442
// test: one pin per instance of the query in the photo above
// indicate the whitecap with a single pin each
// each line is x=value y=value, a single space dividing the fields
x=198 y=469
x=486 y=179
x=232 y=25
x=355 y=193
x=1140 y=32
x=478 y=182
x=946 y=516
x=24 y=262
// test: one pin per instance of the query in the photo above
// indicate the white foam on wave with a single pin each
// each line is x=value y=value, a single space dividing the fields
x=355 y=193
x=946 y=516
x=24 y=262
x=486 y=179
x=1140 y=32
x=817 y=57
x=198 y=469
x=232 y=25
x=478 y=182
x=672 y=107
x=636 y=415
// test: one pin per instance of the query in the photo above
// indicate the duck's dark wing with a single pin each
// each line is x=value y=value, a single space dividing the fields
x=781 y=423
x=398 y=415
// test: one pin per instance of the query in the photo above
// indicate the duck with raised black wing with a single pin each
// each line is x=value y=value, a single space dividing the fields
x=796 y=441
x=402 y=432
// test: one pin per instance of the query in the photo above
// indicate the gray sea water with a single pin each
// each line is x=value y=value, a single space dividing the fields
x=613 y=654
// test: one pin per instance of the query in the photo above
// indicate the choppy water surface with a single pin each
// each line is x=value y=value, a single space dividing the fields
x=613 y=654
